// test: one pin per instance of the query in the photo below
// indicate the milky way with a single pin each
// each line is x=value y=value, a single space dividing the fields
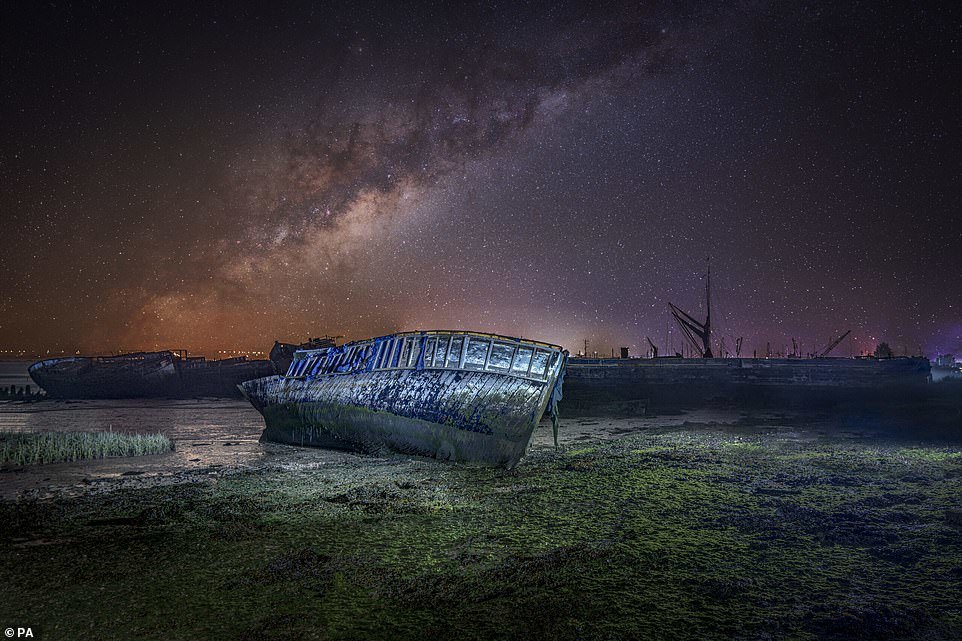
x=216 y=180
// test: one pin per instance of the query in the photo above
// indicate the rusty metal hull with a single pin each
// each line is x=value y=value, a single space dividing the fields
x=455 y=415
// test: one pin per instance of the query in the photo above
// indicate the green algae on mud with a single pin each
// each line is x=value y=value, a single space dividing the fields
x=688 y=534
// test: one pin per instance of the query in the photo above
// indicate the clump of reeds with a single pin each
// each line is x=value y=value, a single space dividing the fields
x=28 y=448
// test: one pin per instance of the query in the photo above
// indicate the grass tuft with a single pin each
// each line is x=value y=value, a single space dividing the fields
x=31 y=448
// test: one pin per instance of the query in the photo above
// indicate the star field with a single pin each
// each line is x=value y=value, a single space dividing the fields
x=220 y=177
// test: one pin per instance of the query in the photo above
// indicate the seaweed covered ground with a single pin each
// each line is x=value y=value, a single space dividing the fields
x=766 y=528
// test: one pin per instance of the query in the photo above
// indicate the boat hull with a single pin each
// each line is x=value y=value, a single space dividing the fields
x=146 y=375
x=282 y=354
x=677 y=382
x=453 y=415
x=153 y=375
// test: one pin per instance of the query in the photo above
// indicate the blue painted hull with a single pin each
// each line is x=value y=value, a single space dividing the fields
x=456 y=415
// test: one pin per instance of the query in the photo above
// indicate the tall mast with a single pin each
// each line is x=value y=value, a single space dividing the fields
x=697 y=333
x=707 y=337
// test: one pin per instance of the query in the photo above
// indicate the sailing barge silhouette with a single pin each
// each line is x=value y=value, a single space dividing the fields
x=451 y=395
x=631 y=385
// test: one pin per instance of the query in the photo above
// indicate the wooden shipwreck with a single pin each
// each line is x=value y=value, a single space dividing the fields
x=145 y=375
x=458 y=396
x=602 y=386
x=282 y=354
x=593 y=385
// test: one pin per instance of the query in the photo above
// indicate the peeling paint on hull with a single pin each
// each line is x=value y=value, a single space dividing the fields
x=455 y=415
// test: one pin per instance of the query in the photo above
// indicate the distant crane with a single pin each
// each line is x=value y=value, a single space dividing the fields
x=738 y=347
x=794 y=348
x=833 y=344
x=654 y=348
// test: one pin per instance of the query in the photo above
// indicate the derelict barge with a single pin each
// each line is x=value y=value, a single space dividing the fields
x=145 y=375
x=459 y=396
x=282 y=354
x=627 y=385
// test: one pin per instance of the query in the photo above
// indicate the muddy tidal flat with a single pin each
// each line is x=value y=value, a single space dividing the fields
x=697 y=525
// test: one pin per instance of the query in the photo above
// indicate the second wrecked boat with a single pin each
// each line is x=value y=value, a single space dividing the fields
x=460 y=396
x=166 y=374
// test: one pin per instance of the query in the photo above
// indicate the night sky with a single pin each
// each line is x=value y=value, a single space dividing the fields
x=559 y=171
